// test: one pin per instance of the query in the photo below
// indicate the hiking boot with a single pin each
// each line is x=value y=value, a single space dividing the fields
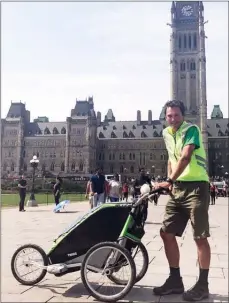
x=197 y=293
x=173 y=285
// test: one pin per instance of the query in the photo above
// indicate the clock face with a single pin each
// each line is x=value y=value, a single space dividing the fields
x=187 y=10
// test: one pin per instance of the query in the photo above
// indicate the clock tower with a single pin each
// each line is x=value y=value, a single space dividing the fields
x=187 y=50
x=188 y=61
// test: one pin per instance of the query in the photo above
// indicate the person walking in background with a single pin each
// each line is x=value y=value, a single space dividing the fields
x=56 y=190
x=212 y=193
x=115 y=188
x=98 y=187
x=22 y=192
x=125 y=191
x=88 y=194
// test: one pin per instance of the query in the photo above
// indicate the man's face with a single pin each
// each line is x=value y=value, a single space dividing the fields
x=174 y=117
x=22 y=177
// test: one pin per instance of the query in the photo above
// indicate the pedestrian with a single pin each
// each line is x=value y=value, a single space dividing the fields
x=189 y=181
x=88 y=194
x=22 y=193
x=212 y=193
x=125 y=191
x=98 y=186
x=114 y=189
x=56 y=190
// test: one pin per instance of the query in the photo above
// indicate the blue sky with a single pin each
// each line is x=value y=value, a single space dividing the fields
x=53 y=53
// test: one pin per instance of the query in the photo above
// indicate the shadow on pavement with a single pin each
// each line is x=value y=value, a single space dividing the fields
x=139 y=293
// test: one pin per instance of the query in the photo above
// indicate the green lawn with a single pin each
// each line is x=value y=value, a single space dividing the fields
x=13 y=199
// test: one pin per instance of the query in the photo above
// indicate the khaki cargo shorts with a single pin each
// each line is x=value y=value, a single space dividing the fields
x=188 y=201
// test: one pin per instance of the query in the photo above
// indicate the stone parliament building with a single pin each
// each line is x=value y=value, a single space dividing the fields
x=76 y=146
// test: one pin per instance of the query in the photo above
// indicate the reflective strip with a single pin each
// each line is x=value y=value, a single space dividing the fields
x=201 y=159
x=201 y=164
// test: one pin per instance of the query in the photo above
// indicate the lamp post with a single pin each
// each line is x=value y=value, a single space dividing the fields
x=34 y=163
x=153 y=171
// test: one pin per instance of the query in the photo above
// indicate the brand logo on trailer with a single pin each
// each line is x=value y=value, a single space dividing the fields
x=72 y=254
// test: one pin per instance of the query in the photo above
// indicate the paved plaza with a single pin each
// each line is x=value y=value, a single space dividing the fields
x=40 y=225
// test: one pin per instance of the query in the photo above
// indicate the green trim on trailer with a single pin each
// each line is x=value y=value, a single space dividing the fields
x=129 y=222
x=132 y=237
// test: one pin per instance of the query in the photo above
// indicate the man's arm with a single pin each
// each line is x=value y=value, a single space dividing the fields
x=183 y=161
x=169 y=169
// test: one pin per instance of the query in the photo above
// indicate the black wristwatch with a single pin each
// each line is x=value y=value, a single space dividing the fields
x=169 y=181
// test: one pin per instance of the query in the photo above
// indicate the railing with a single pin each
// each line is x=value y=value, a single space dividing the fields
x=45 y=198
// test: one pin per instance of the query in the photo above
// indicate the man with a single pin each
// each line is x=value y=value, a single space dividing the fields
x=115 y=189
x=22 y=193
x=189 y=182
x=56 y=190
x=98 y=187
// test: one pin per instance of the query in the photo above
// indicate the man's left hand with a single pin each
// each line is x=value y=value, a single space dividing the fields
x=163 y=185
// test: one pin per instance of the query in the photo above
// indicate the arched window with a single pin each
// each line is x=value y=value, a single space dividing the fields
x=125 y=135
x=123 y=156
x=130 y=156
x=113 y=135
x=182 y=66
x=132 y=170
x=81 y=166
x=63 y=131
x=194 y=41
x=109 y=156
x=131 y=135
x=52 y=167
x=101 y=135
x=55 y=131
x=143 y=135
x=190 y=41
x=121 y=169
x=120 y=156
x=133 y=156
x=100 y=156
x=47 y=131
x=180 y=44
x=193 y=66
x=12 y=167
x=73 y=166
x=151 y=156
x=113 y=156
x=62 y=167
x=185 y=41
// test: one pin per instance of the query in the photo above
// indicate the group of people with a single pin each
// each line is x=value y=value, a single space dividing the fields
x=99 y=190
